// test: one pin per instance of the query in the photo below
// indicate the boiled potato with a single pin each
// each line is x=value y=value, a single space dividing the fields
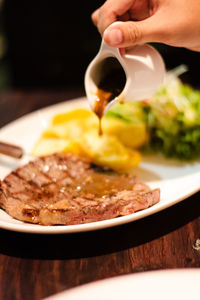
x=72 y=126
x=133 y=135
x=77 y=132
x=68 y=130
x=46 y=146
x=107 y=150
x=76 y=122
x=72 y=115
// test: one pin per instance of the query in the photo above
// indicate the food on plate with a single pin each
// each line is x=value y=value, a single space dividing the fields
x=169 y=123
x=174 y=120
x=127 y=122
x=171 y=118
x=65 y=189
x=76 y=132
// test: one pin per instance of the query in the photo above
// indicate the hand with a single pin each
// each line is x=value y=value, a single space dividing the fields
x=124 y=23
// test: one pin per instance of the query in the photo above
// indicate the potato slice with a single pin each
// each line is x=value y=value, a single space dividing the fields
x=108 y=151
x=72 y=128
x=72 y=115
x=46 y=146
x=133 y=135
x=68 y=130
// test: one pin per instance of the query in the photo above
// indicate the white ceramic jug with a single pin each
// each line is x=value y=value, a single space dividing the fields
x=143 y=67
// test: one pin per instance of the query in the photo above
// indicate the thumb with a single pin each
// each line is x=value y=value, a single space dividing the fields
x=128 y=34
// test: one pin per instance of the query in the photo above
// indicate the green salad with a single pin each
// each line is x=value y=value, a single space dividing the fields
x=172 y=118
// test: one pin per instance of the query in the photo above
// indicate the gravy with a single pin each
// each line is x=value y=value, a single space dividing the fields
x=102 y=184
x=109 y=88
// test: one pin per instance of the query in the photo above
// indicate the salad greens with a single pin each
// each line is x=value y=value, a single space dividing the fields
x=172 y=117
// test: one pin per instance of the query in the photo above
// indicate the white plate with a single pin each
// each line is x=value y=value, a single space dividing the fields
x=152 y=285
x=176 y=180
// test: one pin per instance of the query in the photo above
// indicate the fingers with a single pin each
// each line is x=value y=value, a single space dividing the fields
x=140 y=10
x=151 y=23
x=127 y=34
x=122 y=10
x=110 y=12
x=95 y=16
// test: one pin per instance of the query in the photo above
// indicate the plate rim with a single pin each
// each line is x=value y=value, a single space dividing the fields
x=176 y=274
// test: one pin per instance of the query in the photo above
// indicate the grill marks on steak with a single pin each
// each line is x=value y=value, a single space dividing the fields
x=64 y=189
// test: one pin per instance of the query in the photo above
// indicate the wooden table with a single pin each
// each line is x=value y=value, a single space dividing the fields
x=36 y=266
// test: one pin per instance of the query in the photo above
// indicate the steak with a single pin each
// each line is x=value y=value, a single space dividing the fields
x=65 y=189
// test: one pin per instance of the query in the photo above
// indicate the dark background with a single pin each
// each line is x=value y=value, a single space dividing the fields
x=50 y=43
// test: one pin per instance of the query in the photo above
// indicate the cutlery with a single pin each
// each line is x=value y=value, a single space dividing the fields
x=11 y=150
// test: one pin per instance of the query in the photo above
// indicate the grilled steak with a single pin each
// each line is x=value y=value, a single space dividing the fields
x=65 y=189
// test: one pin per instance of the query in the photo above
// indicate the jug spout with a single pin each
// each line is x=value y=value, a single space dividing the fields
x=133 y=76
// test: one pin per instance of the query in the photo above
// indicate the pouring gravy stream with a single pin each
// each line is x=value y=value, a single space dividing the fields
x=109 y=88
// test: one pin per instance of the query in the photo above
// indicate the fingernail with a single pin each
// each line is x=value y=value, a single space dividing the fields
x=113 y=36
